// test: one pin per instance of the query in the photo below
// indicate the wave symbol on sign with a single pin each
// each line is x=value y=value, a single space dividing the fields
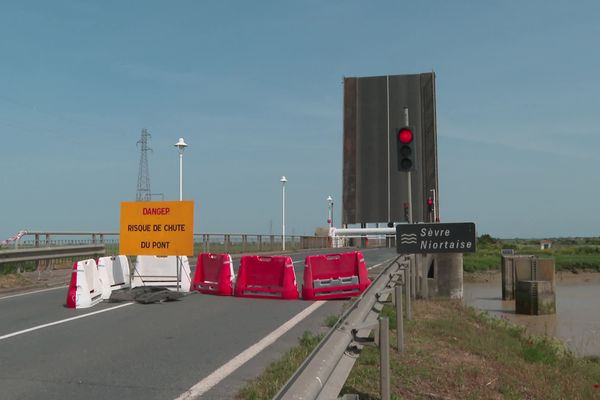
x=408 y=238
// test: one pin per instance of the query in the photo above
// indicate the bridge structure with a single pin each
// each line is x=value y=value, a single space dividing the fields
x=206 y=346
x=377 y=188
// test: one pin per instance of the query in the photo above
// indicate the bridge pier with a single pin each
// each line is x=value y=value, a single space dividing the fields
x=449 y=275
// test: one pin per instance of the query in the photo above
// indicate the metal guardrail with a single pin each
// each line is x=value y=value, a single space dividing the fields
x=203 y=242
x=233 y=243
x=48 y=253
x=324 y=372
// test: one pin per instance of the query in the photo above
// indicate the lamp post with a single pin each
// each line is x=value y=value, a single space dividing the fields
x=330 y=211
x=283 y=181
x=181 y=145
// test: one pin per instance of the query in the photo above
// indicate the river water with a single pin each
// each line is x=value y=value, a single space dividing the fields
x=576 y=322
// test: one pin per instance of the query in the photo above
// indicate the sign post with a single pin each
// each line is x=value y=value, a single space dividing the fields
x=157 y=228
x=436 y=238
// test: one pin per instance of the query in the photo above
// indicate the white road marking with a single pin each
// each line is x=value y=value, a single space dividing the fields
x=381 y=263
x=227 y=369
x=62 y=321
x=374 y=266
x=37 y=291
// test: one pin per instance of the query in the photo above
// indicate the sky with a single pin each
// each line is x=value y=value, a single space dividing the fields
x=255 y=89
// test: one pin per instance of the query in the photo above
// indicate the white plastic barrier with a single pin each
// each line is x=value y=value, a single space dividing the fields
x=85 y=288
x=114 y=274
x=162 y=271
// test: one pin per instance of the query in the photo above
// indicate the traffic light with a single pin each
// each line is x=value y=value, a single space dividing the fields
x=430 y=205
x=406 y=149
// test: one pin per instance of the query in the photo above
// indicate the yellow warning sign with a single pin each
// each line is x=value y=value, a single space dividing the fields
x=157 y=228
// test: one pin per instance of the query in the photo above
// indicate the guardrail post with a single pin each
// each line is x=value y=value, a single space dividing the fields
x=399 y=319
x=205 y=245
x=37 y=244
x=384 y=349
x=419 y=277
x=407 y=292
x=244 y=243
x=413 y=277
x=226 y=239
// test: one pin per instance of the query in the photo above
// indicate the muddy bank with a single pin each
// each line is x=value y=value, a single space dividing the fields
x=577 y=319
x=577 y=276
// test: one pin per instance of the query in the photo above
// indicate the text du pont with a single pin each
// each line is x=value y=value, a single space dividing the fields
x=146 y=244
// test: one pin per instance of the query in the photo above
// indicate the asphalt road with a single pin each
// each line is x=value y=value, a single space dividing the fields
x=155 y=351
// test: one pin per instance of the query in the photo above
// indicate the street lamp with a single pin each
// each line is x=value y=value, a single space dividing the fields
x=283 y=181
x=181 y=145
x=330 y=209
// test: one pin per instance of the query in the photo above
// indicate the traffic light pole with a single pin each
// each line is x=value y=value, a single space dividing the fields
x=409 y=180
x=435 y=217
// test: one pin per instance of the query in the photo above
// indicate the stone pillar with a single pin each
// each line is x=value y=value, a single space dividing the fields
x=449 y=268
x=423 y=262
x=427 y=260
x=535 y=298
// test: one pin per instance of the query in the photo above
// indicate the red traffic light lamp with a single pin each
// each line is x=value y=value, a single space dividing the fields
x=405 y=146
x=405 y=135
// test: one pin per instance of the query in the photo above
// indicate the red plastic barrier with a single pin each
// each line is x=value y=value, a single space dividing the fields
x=334 y=276
x=266 y=277
x=214 y=274
x=85 y=287
x=72 y=291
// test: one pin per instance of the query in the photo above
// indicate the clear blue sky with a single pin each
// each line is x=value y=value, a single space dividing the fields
x=255 y=88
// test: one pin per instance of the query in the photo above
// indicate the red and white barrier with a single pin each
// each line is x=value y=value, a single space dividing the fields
x=266 y=277
x=214 y=274
x=162 y=271
x=85 y=288
x=334 y=276
x=114 y=274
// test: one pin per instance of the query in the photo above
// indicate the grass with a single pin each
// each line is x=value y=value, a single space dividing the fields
x=453 y=352
x=9 y=281
x=276 y=375
x=13 y=268
x=331 y=320
x=569 y=254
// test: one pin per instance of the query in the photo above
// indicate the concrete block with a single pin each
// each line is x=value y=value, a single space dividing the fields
x=535 y=298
